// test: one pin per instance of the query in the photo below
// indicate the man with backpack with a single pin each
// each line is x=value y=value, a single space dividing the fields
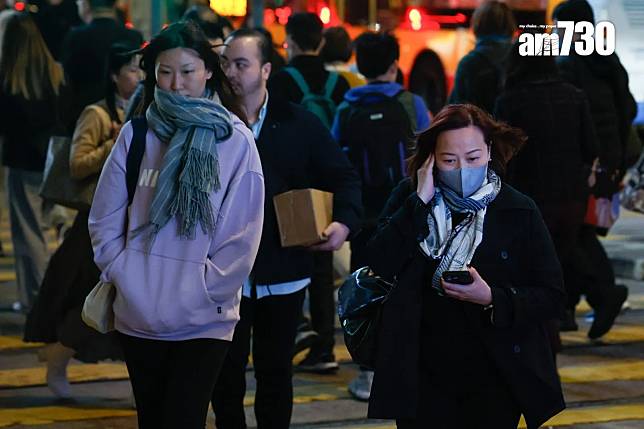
x=305 y=81
x=377 y=126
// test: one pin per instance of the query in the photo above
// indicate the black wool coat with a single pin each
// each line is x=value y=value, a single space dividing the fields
x=298 y=152
x=516 y=258
x=555 y=163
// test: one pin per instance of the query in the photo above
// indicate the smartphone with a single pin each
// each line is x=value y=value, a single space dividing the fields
x=458 y=277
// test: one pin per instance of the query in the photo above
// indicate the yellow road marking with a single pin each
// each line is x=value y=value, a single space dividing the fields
x=596 y=414
x=618 y=334
x=583 y=415
x=7 y=276
x=604 y=371
x=28 y=377
x=7 y=343
x=8 y=247
x=47 y=415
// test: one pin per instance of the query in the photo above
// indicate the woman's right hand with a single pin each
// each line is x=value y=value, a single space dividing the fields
x=425 y=188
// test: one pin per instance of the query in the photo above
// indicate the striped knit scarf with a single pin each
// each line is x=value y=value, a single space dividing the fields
x=192 y=128
x=455 y=247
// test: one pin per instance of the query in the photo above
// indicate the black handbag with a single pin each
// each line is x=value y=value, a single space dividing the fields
x=360 y=300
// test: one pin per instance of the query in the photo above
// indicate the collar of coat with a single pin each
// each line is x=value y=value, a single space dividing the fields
x=511 y=199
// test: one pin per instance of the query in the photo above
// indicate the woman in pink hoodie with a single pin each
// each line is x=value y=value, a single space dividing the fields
x=179 y=253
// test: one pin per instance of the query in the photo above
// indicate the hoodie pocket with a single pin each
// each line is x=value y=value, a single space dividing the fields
x=227 y=307
x=164 y=296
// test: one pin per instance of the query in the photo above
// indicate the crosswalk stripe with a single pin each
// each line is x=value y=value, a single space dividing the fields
x=574 y=416
x=47 y=415
x=596 y=414
x=29 y=377
x=7 y=276
x=603 y=371
x=617 y=334
x=12 y=343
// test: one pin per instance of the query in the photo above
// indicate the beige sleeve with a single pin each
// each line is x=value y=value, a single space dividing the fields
x=91 y=143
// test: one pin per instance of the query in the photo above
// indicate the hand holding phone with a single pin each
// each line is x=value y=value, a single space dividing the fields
x=458 y=277
x=467 y=286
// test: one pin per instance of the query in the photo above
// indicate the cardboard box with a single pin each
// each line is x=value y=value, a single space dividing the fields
x=303 y=215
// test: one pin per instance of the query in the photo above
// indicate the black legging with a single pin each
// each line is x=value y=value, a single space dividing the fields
x=173 y=380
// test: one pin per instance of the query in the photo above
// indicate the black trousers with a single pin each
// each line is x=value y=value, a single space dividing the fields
x=593 y=272
x=491 y=406
x=322 y=302
x=172 y=380
x=273 y=321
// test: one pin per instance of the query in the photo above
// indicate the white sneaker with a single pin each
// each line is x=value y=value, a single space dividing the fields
x=360 y=387
x=58 y=357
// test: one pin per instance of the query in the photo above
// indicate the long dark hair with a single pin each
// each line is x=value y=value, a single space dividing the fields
x=26 y=65
x=187 y=34
x=120 y=54
x=427 y=79
x=504 y=141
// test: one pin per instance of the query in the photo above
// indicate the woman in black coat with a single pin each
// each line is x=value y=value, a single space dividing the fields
x=476 y=355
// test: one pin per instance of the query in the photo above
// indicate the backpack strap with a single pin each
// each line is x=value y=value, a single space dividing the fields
x=135 y=156
x=299 y=80
x=329 y=86
x=406 y=98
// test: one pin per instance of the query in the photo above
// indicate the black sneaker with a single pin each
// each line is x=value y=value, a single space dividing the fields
x=304 y=340
x=605 y=314
x=319 y=363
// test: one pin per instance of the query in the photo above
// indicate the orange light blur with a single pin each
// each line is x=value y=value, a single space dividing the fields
x=325 y=15
x=269 y=17
x=229 y=7
x=283 y=14
x=415 y=19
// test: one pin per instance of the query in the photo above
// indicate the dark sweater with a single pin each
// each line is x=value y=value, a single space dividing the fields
x=555 y=163
x=26 y=126
x=84 y=58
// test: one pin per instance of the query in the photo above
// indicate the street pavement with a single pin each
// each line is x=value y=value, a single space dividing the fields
x=603 y=381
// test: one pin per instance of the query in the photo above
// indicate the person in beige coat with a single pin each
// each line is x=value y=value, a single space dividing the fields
x=71 y=273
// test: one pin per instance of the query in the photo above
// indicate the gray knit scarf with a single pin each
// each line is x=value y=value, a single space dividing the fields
x=192 y=128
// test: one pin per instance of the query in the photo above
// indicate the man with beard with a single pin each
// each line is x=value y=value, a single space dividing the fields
x=297 y=152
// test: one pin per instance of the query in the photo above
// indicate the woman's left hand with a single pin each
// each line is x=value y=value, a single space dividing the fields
x=477 y=292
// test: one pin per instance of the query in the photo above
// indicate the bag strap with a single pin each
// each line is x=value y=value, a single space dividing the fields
x=135 y=156
x=330 y=84
x=299 y=80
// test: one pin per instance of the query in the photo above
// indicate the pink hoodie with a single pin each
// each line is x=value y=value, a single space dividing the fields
x=179 y=289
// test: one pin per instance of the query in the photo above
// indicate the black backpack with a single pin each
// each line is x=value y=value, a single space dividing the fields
x=377 y=133
x=135 y=156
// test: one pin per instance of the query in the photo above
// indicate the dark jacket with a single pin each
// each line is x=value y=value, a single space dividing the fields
x=480 y=74
x=554 y=165
x=297 y=152
x=312 y=68
x=26 y=126
x=84 y=58
x=54 y=21
x=612 y=106
x=516 y=258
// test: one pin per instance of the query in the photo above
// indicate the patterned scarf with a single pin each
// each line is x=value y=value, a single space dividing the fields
x=455 y=247
x=191 y=127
